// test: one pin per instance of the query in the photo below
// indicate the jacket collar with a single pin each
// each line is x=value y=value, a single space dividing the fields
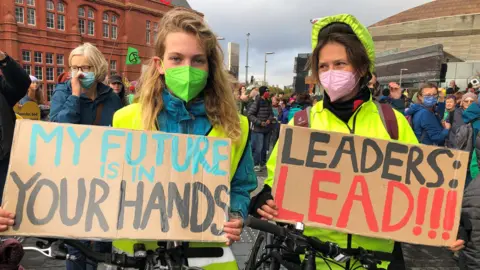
x=180 y=110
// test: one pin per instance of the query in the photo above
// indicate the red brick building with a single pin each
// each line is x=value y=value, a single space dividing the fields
x=41 y=33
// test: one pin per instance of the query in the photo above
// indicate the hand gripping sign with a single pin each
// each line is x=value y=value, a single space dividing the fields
x=78 y=181
x=369 y=187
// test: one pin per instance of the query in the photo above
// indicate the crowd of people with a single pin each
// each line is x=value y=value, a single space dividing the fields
x=185 y=89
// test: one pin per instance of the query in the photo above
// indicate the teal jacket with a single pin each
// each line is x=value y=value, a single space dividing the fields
x=178 y=117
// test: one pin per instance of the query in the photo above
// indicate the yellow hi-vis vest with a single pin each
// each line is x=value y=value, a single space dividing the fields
x=365 y=122
x=129 y=117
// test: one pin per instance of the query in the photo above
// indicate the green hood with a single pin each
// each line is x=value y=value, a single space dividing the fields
x=358 y=28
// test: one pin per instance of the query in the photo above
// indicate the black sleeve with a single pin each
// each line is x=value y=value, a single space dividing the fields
x=252 y=112
x=15 y=81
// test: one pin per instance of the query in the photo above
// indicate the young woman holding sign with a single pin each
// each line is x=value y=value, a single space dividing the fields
x=186 y=89
x=342 y=62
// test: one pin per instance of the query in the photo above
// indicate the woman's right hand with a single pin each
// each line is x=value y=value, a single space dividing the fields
x=6 y=219
x=268 y=210
x=76 y=86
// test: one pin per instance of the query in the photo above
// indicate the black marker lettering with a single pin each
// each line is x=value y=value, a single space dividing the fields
x=215 y=229
x=156 y=201
x=350 y=151
x=33 y=197
x=368 y=143
x=183 y=205
x=94 y=206
x=81 y=195
x=390 y=161
x=312 y=152
x=432 y=161
x=194 y=226
x=287 y=149
x=137 y=204
x=22 y=194
x=415 y=158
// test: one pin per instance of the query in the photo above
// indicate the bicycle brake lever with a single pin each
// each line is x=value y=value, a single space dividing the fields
x=47 y=252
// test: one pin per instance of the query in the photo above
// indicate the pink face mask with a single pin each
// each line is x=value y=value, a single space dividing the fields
x=337 y=83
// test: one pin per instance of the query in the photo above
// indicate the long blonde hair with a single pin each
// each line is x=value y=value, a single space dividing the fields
x=219 y=101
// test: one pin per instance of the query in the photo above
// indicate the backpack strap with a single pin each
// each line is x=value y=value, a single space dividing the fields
x=389 y=119
x=302 y=118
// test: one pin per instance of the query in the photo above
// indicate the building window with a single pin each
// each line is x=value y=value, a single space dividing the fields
x=114 y=32
x=27 y=56
x=18 y=1
x=19 y=14
x=31 y=16
x=60 y=59
x=106 y=30
x=91 y=14
x=60 y=22
x=31 y=2
x=50 y=5
x=60 y=70
x=50 y=20
x=50 y=89
x=114 y=19
x=50 y=75
x=28 y=69
x=81 y=12
x=38 y=57
x=105 y=17
x=61 y=7
x=39 y=72
x=81 y=26
x=155 y=30
x=113 y=65
x=148 y=32
x=91 y=28
x=49 y=58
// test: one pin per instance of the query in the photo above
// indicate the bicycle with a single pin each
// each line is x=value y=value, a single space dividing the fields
x=284 y=244
x=170 y=255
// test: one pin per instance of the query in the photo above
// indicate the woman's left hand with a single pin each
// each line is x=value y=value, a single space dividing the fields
x=233 y=229
x=458 y=245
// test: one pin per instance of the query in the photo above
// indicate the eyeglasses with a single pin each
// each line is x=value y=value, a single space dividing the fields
x=468 y=101
x=82 y=68
x=431 y=95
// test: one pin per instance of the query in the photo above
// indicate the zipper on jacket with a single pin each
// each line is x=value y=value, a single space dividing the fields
x=352 y=130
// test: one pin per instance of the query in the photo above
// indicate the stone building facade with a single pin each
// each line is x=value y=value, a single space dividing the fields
x=41 y=33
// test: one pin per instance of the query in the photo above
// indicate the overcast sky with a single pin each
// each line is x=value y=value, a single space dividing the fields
x=283 y=26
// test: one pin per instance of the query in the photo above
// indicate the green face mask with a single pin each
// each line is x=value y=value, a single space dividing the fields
x=186 y=82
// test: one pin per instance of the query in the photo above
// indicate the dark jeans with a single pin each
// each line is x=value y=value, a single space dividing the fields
x=81 y=262
x=261 y=142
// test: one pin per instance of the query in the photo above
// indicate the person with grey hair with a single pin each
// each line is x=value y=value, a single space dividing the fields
x=85 y=99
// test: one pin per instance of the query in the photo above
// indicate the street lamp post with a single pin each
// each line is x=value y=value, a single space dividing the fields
x=265 y=68
x=246 y=66
x=401 y=72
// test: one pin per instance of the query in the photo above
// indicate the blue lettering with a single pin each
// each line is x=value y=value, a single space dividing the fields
x=160 y=138
x=113 y=169
x=129 y=147
x=38 y=130
x=106 y=145
x=217 y=157
x=199 y=156
x=149 y=175
x=77 y=141
x=175 y=154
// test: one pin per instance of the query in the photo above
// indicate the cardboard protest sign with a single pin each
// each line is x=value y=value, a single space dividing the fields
x=78 y=181
x=369 y=187
x=29 y=110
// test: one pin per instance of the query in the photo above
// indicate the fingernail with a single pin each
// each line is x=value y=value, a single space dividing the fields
x=12 y=215
x=10 y=222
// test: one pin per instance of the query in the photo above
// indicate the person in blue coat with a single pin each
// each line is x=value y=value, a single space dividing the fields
x=427 y=125
x=85 y=100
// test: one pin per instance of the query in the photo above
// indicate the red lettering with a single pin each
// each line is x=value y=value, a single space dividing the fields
x=364 y=198
x=279 y=194
x=387 y=210
x=316 y=193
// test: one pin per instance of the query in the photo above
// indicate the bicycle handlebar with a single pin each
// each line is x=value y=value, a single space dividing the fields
x=265 y=226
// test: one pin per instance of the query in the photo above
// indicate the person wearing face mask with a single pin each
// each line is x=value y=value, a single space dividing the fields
x=342 y=62
x=84 y=99
x=185 y=89
x=426 y=123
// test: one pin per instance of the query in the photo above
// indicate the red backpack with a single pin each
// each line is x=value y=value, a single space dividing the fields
x=389 y=120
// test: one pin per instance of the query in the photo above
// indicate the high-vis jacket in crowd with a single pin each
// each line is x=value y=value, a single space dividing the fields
x=130 y=118
x=366 y=121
